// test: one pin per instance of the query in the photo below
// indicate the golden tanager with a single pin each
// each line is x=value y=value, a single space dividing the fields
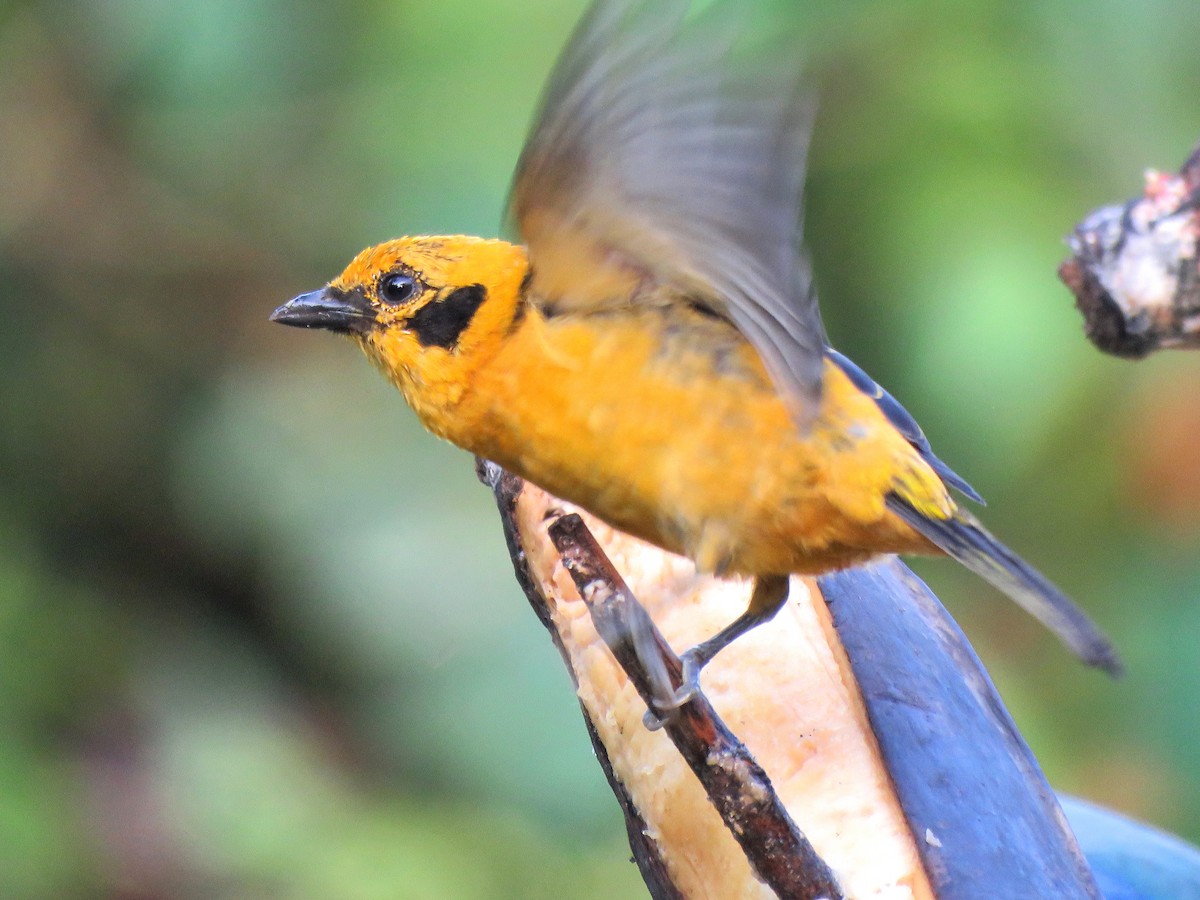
x=654 y=352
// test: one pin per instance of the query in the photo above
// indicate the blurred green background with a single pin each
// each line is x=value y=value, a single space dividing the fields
x=258 y=633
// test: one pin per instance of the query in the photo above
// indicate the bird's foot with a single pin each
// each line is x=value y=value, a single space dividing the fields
x=664 y=709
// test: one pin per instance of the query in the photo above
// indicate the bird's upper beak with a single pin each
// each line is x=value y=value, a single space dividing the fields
x=329 y=308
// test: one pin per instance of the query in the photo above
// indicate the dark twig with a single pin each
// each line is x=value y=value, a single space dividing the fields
x=736 y=785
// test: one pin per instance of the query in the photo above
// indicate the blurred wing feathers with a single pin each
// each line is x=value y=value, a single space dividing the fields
x=664 y=157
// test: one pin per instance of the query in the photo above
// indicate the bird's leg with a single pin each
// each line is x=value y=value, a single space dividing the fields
x=770 y=593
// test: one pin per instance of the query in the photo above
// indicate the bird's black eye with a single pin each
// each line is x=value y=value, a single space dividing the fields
x=397 y=288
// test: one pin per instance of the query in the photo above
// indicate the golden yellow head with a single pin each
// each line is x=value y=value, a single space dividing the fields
x=426 y=310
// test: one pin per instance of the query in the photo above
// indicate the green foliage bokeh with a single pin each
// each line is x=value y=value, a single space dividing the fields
x=258 y=632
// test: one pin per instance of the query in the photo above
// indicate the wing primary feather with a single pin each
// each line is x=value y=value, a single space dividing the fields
x=965 y=540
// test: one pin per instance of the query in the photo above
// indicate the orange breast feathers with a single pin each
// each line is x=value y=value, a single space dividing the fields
x=663 y=421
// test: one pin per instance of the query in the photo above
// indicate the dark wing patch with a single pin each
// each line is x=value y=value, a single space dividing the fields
x=441 y=322
x=902 y=419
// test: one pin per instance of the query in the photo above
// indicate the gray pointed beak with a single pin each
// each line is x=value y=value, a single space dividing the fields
x=328 y=308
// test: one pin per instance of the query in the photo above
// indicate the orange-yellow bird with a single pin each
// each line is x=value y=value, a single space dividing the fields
x=654 y=353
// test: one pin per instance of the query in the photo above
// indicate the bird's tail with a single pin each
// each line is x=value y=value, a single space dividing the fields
x=964 y=539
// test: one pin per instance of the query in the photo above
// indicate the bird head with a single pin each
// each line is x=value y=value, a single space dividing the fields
x=426 y=310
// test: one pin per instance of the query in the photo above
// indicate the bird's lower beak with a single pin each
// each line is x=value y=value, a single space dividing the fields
x=329 y=308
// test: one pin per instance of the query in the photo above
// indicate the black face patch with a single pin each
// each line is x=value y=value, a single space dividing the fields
x=440 y=323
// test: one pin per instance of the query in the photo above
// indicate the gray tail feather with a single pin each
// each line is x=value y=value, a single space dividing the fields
x=964 y=539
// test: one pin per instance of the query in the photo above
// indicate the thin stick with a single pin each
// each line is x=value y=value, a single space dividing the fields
x=735 y=783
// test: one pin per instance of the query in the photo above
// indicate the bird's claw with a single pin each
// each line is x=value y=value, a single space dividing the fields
x=664 y=709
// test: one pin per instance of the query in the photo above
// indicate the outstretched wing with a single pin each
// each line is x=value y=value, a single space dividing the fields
x=664 y=157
